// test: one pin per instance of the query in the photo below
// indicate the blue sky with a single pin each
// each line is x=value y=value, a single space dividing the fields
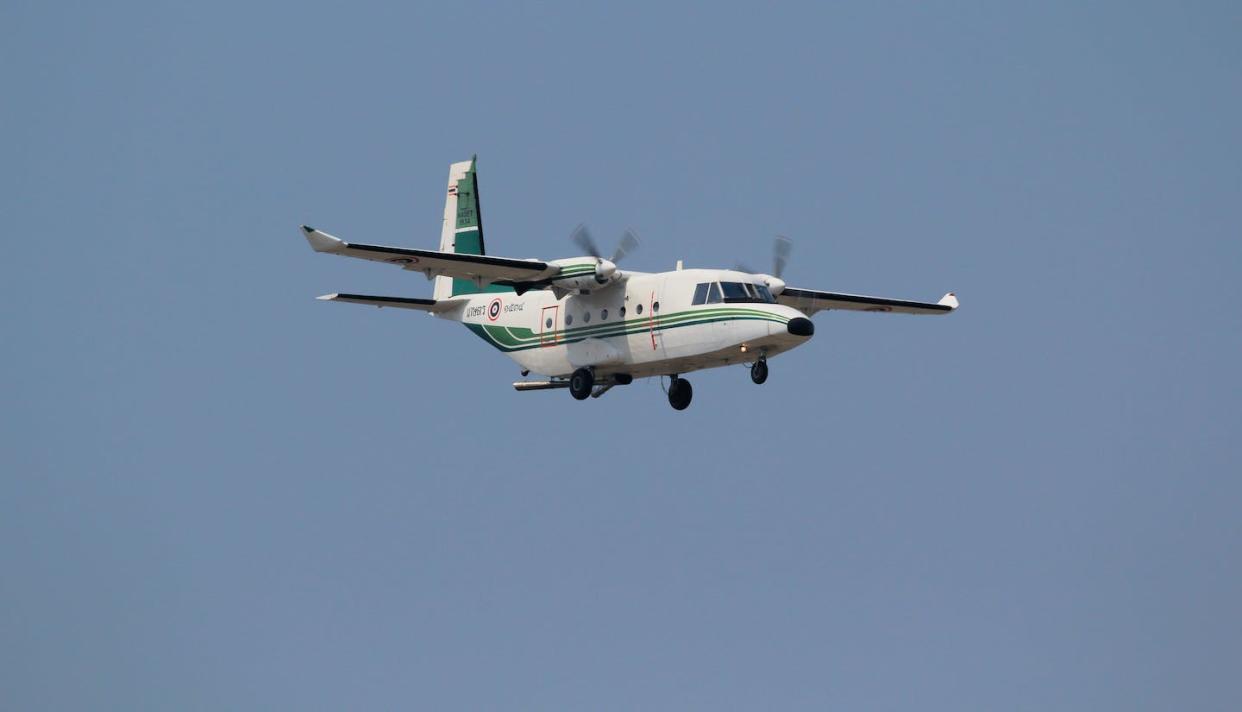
x=220 y=493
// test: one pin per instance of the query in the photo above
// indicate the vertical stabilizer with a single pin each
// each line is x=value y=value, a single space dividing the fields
x=462 y=231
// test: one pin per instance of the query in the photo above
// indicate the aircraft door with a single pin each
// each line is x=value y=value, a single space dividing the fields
x=652 y=312
x=548 y=325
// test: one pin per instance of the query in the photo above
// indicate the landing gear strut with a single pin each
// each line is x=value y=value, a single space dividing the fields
x=759 y=371
x=679 y=393
x=580 y=383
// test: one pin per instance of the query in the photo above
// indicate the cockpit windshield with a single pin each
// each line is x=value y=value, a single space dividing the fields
x=733 y=293
x=746 y=292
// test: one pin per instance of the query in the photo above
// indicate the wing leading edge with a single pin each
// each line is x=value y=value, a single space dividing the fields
x=482 y=268
x=811 y=301
x=427 y=305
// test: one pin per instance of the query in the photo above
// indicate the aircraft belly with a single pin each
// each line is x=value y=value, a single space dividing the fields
x=547 y=360
x=593 y=352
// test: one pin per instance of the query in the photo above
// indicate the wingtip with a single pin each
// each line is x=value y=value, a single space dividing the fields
x=949 y=300
x=328 y=297
x=321 y=241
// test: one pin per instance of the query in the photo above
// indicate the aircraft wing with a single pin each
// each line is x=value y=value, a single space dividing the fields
x=427 y=305
x=811 y=301
x=433 y=263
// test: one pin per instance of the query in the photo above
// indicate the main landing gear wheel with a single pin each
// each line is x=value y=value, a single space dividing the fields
x=580 y=384
x=679 y=393
x=759 y=371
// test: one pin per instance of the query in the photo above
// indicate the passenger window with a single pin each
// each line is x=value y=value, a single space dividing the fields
x=603 y=314
x=569 y=319
x=713 y=293
x=586 y=317
x=638 y=309
x=548 y=323
x=700 y=294
x=621 y=311
x=655 y=307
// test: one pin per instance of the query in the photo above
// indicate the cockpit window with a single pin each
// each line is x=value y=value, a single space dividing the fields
x=746 y=292
x=700 y=293
x=713 y=293
x=734 y=292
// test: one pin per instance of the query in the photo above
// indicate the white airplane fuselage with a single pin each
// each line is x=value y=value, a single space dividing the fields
x=587 y=325
x=642 y=325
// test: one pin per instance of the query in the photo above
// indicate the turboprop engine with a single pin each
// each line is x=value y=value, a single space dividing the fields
x=776 y=285
x=780 y=257
x=603 y=270
x=585 y=273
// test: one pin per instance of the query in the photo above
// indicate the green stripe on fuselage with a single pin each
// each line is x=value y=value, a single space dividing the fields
x=516 y=338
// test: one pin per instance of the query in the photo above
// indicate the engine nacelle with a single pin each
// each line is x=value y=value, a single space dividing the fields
x=776 y=285
x=605 y=270
x=584 y=274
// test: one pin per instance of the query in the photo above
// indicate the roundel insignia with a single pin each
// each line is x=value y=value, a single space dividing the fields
x=493 y=309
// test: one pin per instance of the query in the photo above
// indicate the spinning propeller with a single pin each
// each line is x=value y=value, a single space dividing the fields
x=781 y=247
x=604 y=268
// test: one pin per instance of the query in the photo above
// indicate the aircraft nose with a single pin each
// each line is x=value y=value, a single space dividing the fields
x=800 y=326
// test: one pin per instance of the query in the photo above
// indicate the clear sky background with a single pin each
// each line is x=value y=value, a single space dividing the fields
x=218 y=493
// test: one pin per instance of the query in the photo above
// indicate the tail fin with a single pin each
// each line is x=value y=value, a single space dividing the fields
x=462 y=232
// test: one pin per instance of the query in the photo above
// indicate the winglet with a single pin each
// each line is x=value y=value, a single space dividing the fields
x=949 y=300
x=322 y=241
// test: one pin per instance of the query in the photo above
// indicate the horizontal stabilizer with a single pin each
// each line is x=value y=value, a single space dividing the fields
x=427 y=305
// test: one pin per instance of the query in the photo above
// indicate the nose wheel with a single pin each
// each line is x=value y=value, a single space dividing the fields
x=679 y=393
x=759 y=371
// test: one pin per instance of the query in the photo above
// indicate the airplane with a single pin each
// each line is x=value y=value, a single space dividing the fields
x=585 y=325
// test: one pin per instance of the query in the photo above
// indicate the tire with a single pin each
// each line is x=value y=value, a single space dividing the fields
x=580 y=384
x=759 y=372
x=680 y=393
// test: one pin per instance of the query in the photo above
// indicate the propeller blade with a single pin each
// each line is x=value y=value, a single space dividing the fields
x=780 y=254
x=582 y=237
x=629 y=243
x=743 y=267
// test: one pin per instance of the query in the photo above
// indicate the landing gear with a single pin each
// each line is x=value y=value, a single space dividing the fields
x=580 y=383
x=759 y=371
x=679 y=393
